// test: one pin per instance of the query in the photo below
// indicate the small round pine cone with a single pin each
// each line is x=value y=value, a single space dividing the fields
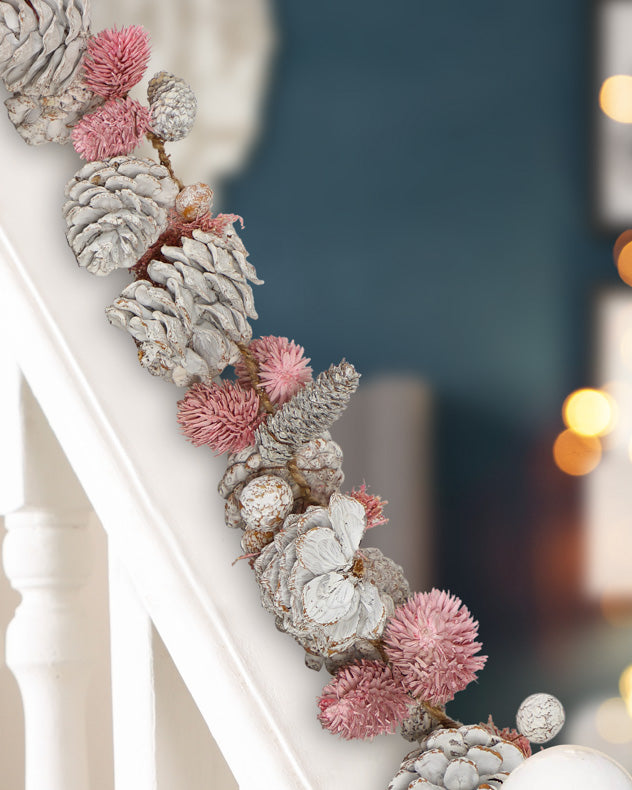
x=173 y=106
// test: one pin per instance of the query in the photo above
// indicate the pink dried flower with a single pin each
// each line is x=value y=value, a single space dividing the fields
x=373 y=505
x=115 y=128
x=430 y=640
x=116 y=60
x=511 y=735
x=363 y=700
x=283 y=368
x=224 y=416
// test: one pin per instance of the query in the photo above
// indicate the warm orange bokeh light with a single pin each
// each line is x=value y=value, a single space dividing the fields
x=589 y=412
x=613 y=723
x=625 y=688
x=575 y=454
x=624 y=263
x=615 y=98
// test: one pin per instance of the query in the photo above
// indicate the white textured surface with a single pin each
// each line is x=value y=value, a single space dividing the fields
x=155 y=495
x=540 y=717
x=569 y=768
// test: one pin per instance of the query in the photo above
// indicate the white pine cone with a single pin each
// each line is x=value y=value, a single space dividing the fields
x=313 y=409
x=319 y=461
x=42 y=43
x=49 y=119
x=467 y=758
x=385 y=574
x=311 y=580
x=189 y=317
x=116 y=209
x=173 y=106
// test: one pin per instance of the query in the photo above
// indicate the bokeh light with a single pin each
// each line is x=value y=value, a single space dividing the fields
x=615 y=98
x=625 y=688
x=613 y=722
x=589 y=412
x=575 y=454
x=624 y=263
x=616 y=610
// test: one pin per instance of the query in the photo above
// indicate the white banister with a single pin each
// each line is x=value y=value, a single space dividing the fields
x=46 y=558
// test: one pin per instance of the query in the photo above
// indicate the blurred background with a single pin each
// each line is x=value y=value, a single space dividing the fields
x=431 y=191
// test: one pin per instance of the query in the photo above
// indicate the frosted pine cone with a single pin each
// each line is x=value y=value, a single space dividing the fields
x=385 y=574
x=310 y=578
x=50 y=119
x=467 y=758
x=115 y=211
x=188 y=318
x=42 y=44
x=173 y=106
x=319 y=461
x=307 y=414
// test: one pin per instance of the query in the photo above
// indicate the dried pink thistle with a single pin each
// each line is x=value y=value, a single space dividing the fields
x=115 y=128
x=373 y=505
x=225 y=416
x=430 y=640
x=511 y=735
x=363 y=700
x=116 y=60
x=283 y=367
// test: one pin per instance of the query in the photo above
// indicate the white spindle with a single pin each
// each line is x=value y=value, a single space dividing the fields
x=46 y=558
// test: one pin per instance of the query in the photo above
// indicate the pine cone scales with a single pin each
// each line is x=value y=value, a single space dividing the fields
x=173 y=106
x=116 y=209
x=467 y=758
x=42 y=44
x=188 y=319
x=314 y=409
x=310 y=579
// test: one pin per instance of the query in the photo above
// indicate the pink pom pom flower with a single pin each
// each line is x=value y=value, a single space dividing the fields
x=373 y=505
x=431 y=641
x=224 y=416
x=363 y=700
x=116 y=60
x=283 y=367
x=115 y=128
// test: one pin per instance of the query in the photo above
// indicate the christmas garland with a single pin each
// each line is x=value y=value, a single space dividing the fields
x=396 y=658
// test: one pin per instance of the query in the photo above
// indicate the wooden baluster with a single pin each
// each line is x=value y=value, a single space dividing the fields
x=46 y=558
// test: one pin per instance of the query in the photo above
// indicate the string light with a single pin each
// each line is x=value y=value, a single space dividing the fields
x=615 y=98
x=576 y=455
x=589 y=412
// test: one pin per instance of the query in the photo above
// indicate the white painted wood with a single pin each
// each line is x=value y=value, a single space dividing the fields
x=155 y=496
x=133 y=699
x=46 y=558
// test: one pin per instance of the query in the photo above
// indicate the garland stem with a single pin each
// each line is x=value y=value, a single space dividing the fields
x=440 y=715
x=165 y=160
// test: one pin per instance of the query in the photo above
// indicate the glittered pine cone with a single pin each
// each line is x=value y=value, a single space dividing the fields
x=173 y=106
x=467 y=758
x=116 y=209
x=319 y=461
x=191 y=313
x=314 y=409
x=311 y=580
x=42 y=44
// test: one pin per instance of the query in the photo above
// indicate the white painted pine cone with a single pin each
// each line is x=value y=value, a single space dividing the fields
x=173 y=106
x=41 y=44
x=49 y=119
x=468 y=758
x=265 y=502
x=319 y=461
x=309 y=579
x=187 y=330
x=313 y=409
x=116 y=209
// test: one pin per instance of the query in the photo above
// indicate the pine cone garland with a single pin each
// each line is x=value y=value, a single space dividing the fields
x=385 y=574
x=42 y=44
x=116 y=209
x=173 y=106
x=310 y=579
x=467 y=758
x=311 y=411
x=319 y=461
x=189 y=317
